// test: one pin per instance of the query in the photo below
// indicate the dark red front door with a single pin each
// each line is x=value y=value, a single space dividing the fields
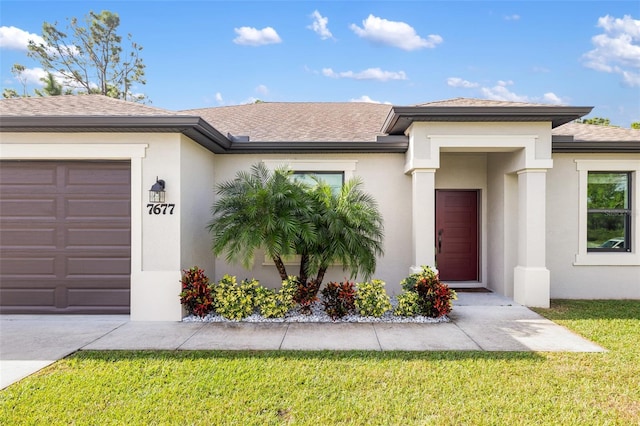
x=457 y=235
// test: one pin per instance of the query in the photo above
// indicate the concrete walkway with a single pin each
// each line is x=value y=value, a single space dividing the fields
x=479 y=322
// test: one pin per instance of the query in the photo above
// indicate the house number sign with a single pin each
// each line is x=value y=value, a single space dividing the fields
x=158 y=209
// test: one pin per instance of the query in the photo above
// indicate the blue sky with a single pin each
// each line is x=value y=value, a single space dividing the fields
x=213 y=53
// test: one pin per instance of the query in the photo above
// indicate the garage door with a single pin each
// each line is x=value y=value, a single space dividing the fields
x=65 y=237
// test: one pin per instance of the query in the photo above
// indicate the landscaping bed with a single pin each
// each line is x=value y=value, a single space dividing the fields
x=319 y=315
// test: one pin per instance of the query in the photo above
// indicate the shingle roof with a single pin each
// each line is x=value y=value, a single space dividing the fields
x=77 y=105
x=594 y=133
x=299 y=121
x=281 y=121
x=474 y=102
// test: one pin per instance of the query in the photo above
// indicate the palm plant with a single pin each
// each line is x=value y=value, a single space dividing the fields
x=269 y=210
x=261 y=209
x=349 y=231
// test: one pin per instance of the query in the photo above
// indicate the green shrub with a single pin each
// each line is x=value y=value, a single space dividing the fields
x=435 y=298
x=371 y=299
x=276 y=304
x=235 y=300
x=197 y=294
x=339 y=299
x=306 y=294
x=407 y=304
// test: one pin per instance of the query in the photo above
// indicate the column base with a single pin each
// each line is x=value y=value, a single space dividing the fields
x=155 y=296
x=531 y=286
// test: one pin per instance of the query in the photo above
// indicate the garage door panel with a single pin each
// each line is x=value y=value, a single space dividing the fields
x=84 y=174
x=23 y=175
x=97 y=208
x=91 y=266
x=85 y=296
x=92 y=237
x=66 y=237
x=25 y=208
x=27 y=266
x=33 y=237
x=28 y=297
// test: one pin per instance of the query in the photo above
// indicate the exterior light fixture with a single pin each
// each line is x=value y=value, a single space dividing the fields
x=156 y=193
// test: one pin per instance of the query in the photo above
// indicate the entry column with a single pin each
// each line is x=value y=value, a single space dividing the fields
x=423 y=218
x=531 y=277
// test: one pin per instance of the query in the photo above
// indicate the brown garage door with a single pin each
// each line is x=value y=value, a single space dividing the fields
x=65 y=237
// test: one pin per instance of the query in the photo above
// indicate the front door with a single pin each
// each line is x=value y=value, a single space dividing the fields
x=457 y=235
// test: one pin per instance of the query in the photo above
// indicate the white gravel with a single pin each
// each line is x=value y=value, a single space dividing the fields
x=319 y=315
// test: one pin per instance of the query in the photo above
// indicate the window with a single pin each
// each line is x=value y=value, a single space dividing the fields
x=333 y=171
x=608 y=217
x=334 y=179
x=609 y=211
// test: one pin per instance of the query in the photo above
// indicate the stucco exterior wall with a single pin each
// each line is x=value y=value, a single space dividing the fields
x=196 y=199
x=383 y=179
x=580 y=281
x=502 y=223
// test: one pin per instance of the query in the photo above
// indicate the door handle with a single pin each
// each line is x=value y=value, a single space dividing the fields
x=440 y=232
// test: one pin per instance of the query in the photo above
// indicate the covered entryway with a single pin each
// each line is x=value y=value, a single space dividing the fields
x=457 y=235
x=66 y=236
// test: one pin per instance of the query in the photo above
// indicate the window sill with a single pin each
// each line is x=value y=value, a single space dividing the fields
x=607 y=259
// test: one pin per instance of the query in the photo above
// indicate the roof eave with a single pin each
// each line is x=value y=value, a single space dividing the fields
x=192 y=126
x=617 y=147
x=317 y=147
x=400 y=118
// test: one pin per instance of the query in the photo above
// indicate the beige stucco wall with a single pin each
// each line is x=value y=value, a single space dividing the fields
x=196 y=198
x=502 y=223
x=569 y=280
x=383 y=179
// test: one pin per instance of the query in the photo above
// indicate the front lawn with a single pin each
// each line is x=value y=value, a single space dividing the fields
x=368 y=388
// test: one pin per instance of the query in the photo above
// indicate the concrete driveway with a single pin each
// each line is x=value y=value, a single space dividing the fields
x=479 y=321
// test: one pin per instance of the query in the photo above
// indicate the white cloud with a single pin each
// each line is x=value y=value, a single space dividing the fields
x=618 y=49
x=501 y=92
x=367 y=99
x=319 y=25
x=368 y=74
x=32 y=76
x=262 y=89
x=219 y=98
x=458 y=82
x=17 y=39
x=249 y=36
x=552 y=98
x=513 y=17
x=394 y=33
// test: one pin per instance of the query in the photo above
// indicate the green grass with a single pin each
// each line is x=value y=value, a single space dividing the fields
x=320 y=388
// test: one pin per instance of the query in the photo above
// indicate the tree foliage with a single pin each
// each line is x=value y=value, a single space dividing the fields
x=269 y=210
x=635 y=125
x=52 y=87
x=260 y=209
x=599 y=121
x=90 y=58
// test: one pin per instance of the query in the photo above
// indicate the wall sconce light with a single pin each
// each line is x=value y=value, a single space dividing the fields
x=156 y=193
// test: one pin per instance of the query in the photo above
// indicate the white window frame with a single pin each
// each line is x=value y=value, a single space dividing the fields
x=347 y=167
x=583 y=257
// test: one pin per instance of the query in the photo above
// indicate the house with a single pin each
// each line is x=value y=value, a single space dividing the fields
x=514 y=197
